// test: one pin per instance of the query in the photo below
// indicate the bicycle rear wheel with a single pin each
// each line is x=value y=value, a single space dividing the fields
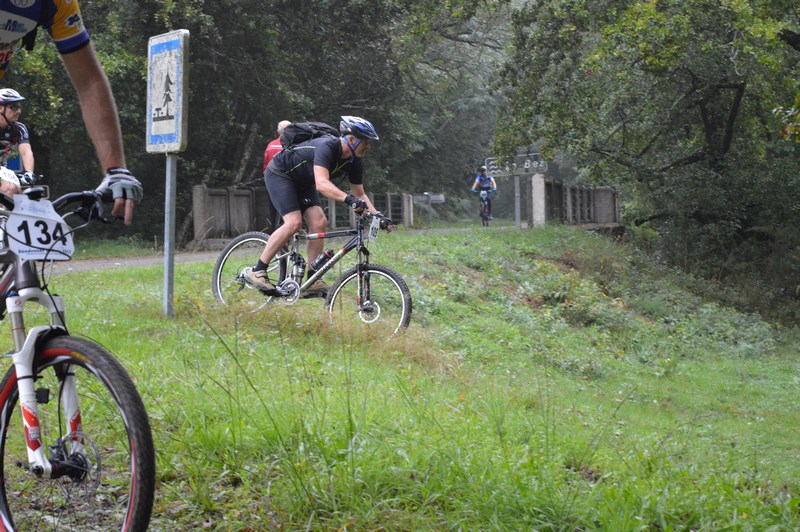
x=108 y=451
x=243 y=252
x=377 y=298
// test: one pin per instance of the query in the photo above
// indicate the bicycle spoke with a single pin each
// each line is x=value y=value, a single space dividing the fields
x=228 y=284
x=384 y=301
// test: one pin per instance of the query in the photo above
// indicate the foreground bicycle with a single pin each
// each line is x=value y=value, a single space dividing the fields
x=371 y=293
x=77 y=450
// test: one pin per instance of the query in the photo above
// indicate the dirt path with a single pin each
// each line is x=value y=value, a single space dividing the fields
x=83 y=265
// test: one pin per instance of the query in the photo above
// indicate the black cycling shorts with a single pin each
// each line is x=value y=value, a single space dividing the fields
x=287 y=196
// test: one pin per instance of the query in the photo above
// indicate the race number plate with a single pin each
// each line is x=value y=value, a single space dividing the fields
x=373 y=229
x=37 y=232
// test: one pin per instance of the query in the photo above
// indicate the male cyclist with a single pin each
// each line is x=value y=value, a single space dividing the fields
x=485 y=182
x=294 y=179
x=14 y=138
x=62 y=19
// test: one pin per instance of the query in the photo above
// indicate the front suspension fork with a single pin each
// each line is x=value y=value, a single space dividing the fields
x=23 y=359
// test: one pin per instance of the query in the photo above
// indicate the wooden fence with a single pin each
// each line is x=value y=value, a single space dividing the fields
x=223 y=213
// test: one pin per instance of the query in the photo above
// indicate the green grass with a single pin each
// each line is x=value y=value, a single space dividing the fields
x=121 y=247
x=550 y=380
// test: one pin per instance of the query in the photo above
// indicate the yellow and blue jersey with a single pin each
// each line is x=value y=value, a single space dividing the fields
x=61 y=18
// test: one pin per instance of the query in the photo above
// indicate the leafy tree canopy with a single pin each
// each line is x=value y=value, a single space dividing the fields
x=672 y=100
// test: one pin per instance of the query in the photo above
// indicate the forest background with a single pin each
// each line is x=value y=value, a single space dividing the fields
x=687 y=107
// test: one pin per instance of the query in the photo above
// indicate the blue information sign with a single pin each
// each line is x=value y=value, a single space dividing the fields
x=166 y=83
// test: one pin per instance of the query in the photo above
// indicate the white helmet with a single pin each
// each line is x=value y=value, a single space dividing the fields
x=10 y=95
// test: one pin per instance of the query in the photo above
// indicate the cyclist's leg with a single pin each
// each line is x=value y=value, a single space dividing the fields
x=292 y=223
x=286 y=201
x=273 y=216
x=315 y=218
x=284 y=198
x=317 y=222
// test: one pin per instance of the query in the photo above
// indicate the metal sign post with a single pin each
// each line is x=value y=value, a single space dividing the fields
x=519 y=165
x=426 y=198
x=167 y=77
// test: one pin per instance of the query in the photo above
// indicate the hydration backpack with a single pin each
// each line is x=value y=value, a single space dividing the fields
x=294 y=134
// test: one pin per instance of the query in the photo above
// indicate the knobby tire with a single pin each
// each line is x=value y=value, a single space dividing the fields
x=390 y=304
x=117 y=489
x=243 y=252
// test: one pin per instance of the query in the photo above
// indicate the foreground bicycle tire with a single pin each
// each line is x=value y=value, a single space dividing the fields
x=243 y=252
x=117 y=490
x=389 y=302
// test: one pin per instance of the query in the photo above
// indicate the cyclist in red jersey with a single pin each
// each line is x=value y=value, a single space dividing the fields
x=62 y=19
x=274 y=147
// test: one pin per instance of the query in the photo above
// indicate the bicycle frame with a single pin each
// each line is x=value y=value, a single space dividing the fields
x=356 y=242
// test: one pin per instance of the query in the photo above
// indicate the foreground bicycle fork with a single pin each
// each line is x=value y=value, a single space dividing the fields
x=29 y=399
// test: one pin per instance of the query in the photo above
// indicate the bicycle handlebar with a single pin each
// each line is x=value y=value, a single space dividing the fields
x=91 y=201
x=366 y=217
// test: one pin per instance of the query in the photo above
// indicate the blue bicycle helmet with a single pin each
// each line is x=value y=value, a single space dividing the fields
x=358 y=127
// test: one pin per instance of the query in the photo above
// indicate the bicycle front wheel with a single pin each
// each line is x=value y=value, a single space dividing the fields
x=378 y=297
x=243 y=252
x=108 y=451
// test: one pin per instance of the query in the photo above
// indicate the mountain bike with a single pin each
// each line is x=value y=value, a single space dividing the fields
x=371 y=293
x=75 y=440
x=485 y=212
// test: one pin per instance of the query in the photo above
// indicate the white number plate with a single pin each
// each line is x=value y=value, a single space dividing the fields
x=373 y=229
x=37 y=232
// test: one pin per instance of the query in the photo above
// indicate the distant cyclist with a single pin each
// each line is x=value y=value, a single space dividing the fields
x=14 y=140
x=487 y=183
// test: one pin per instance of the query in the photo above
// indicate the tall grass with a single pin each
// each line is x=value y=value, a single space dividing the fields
x=550 y=380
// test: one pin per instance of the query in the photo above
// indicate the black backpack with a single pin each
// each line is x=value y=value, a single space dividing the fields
x=299 y=132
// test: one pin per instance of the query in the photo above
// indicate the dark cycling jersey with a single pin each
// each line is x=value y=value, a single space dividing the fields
x=298 y=162
x=290 y=175
x=20 y=17
x=10 y=138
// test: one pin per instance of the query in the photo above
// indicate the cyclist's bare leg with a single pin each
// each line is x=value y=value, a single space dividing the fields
x=9 y=188
x=292 y=223
x=317 y=223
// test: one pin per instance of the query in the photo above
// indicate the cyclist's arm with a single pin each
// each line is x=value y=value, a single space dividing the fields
x=322 y=180
x=26 y=155
x=494 y=183
x=357 y=190
x=97 y=105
